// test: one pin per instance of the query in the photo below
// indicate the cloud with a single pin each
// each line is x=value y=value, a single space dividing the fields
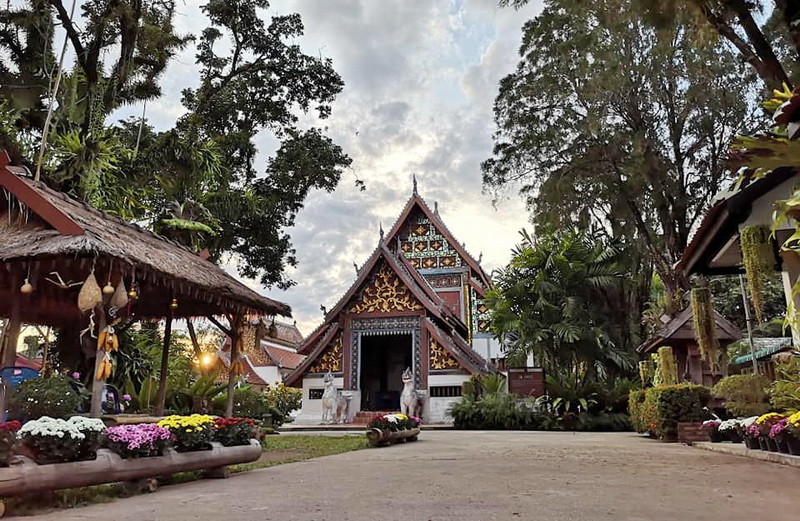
x=420 y=81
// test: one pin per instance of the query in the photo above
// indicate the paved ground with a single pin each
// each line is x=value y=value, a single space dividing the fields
x=477 y=476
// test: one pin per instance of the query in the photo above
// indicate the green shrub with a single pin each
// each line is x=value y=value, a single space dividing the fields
x=499 y=411
x=247 y=403
x=284 y=399
x=784 y=393
x=636 y=410
x=52 y=396
x=744 y=394
x=664 y=406
x=603 y=422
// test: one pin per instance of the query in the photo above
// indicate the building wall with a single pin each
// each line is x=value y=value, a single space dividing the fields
x=311 y=411
x=436 y=408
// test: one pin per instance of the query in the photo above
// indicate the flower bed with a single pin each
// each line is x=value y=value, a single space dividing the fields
x=391 y=428
x=52 y=440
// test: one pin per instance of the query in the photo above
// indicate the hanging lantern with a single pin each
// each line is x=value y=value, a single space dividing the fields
x=108 y=289
x=174 y=305
x=132 y=294
x=26 y=288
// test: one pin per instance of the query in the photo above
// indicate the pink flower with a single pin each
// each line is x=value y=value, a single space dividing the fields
x=126 y=397
x=76 y=375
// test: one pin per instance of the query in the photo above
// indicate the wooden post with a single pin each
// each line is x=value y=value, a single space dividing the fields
x=235 y=334
x=9 y=344
x=162 y=382
x=99 y=355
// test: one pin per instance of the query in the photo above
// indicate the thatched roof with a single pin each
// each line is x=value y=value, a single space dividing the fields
x=44 y=231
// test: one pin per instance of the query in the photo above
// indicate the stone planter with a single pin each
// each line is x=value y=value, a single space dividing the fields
x=379 y=438
x=24 y=476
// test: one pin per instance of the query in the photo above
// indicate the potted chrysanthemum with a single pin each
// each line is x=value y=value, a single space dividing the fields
x=8 y=440
x=711 y=427
x=765 y=422
x=793 y=431
x=141 y=440
x=190 y=433
x=51 y=440
x=732 y=430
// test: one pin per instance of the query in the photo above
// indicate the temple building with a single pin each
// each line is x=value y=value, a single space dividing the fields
x=417 y=302
x=269 y=353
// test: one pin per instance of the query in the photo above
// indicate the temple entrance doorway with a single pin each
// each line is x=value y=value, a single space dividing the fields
x=383 y=358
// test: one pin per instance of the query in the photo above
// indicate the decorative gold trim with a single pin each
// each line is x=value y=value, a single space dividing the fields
x=386 y=293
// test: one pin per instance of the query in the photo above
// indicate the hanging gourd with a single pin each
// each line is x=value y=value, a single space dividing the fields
x=757 y=258
x=646 y=372
x=27 y=288
x=120 y=297
x=90 y=295
x=704 y=330
x=667 y=366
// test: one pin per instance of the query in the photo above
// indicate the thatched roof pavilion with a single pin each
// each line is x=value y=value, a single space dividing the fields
x=55 y=242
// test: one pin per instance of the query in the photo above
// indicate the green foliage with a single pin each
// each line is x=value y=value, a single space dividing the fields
x=726 y=294
x=744 y=394
x=647 y=371
x=567 y=394
x=493 y=383
x=704 y=325
x=552 y=299
x=284 y=399
x=664 y=406
x=52 y=396
x=196 y=182
x=667 y=367
x=758 y=262
x=784 y=393
x=610 y=120
x=500 y=411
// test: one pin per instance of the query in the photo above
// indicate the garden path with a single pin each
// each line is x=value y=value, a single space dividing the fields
x=481 y=476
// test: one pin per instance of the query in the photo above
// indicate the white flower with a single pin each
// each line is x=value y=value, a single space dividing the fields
x=730 y=425
x=46 y=426
x=84 y=424
x=747 y=422
x=391 y=418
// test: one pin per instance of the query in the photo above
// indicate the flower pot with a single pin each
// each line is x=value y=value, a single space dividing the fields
x=715 y=436
x=783 y=446
x=752 y=443
x=762 y=443
x=794 y=446
x=734 y=437
x=772 y=445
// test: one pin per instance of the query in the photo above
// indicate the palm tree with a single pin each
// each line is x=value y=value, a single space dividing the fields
x=552 y=296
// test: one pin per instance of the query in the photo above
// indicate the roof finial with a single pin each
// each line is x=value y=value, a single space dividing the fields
x=436 y=208
x=414 y=177
x=480 y=257
x=323 y=309
x=380 y=229
x=356 y=267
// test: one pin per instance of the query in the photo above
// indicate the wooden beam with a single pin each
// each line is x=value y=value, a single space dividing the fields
x=162 y=382
x=235 y=339
x=220 y=326
x=34 y=200
x=8 y=343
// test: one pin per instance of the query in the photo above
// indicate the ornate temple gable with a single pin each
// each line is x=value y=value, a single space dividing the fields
x=330 y=359
x=428 y=244
x=457 y=348
x=481 y=315
x=425 y=246
x=450 y=280
x=439 y=359
x=385 y=293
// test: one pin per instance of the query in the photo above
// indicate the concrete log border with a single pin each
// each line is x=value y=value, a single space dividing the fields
x=382 y=438
x=24 y=476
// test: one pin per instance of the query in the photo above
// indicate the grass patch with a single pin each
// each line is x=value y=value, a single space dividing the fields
x=277 y=451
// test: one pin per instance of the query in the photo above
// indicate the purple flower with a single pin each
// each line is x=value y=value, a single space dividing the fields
x=753 y=431
x=778 y=428
x=126 y=397
x=76 y=375
x=139 y=436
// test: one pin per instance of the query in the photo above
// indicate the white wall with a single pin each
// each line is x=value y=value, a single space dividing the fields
x=436 y=408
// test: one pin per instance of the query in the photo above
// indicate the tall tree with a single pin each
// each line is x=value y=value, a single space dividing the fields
x=611 y=122
x=199 y=182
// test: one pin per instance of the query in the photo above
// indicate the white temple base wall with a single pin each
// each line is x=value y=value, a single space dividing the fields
x=436 y=411
x=311 y=410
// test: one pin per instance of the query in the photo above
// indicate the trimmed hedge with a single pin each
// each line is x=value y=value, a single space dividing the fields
x=658 y=410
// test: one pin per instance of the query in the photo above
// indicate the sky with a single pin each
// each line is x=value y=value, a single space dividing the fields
x=420 y=80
